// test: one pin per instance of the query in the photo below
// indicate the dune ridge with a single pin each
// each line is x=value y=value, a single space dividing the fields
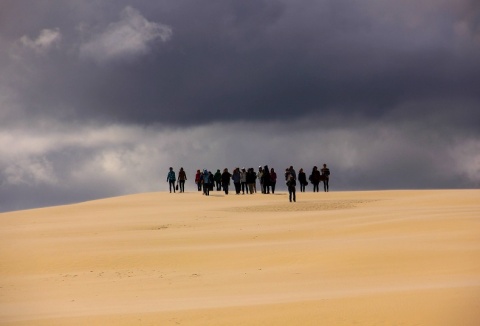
x=401 y=257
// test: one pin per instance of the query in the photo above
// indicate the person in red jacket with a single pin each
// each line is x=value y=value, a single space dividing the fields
x=198 y=180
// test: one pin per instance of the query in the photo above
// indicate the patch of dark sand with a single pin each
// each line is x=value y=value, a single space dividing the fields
x=304 y=206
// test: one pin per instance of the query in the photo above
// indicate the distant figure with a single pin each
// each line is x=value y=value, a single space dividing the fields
x=171 y=179
x=251 y=180
x=218 y=179
x=326 y=177
x=273 y=179
x=211 y=180
x=182 y=177
x=198 y=180
x=254 y=174
x=226 y=180
x=302 y=179
x=260 y=178
x=236 y=177
x=292 y=171
x=243 y=181
x=315 y=178
x=206 y=183
x=266 y=180
x=291 y=183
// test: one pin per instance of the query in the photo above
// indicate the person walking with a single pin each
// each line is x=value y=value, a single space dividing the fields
x=291 y=184
x=302 y=179
x=236 y=180
x=243 y=181
x=266 y=180
x=171 y=179
x=182 y=177
x=326 y=177
x=198 y=180
x=211 y=181
x=292 y=172
x=226 y=180
x=218 y=179
x=273 y=179
x=251 y=180
x=206 y=183
x=315 y=178
x=260 y=177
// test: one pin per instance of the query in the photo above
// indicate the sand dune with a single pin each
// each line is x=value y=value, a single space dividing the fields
x=339 y=258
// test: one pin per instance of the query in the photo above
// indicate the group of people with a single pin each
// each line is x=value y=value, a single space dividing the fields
x=245 y=180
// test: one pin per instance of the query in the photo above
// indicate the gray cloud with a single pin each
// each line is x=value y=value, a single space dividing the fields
x=72 y=163
x=129 y=37
x=97 y=96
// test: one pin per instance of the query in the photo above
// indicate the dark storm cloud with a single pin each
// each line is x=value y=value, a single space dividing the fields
x=99 y=98
x=199 y=62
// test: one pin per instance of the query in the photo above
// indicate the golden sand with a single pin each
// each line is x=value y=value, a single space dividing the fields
x=338 y=258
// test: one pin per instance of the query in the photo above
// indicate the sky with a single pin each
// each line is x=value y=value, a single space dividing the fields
x=99 y=98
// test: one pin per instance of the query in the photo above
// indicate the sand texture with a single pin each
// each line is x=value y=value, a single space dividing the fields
x=339 y=258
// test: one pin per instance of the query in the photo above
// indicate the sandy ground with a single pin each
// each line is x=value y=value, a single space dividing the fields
x=338 y=258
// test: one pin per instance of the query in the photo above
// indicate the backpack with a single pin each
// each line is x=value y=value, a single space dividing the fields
x=291 y=182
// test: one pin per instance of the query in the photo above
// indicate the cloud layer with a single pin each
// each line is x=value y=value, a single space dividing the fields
x=130 y=37
x=99 y=99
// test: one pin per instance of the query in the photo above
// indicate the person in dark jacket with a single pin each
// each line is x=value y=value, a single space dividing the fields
x=315 y=178
x=206 y=183
x=226 y=180
x=291 y=183
x=182 y=177
x=326 y=177
x=171 y=179
x=236 y=177
x=266 y=180
x=273 y=179
x=302 y=179
x=218 y=179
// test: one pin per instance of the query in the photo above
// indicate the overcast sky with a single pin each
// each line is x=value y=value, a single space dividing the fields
x=99 y=98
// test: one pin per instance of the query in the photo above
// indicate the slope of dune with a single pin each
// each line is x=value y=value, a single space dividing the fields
x=339 y=258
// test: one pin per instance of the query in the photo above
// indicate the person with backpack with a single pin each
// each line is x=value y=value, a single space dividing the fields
x=171 y=179
x=206 y=183
x=291 y=184
x=302 y=179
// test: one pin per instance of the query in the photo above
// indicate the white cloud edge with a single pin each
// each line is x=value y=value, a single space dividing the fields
x=131 y=36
